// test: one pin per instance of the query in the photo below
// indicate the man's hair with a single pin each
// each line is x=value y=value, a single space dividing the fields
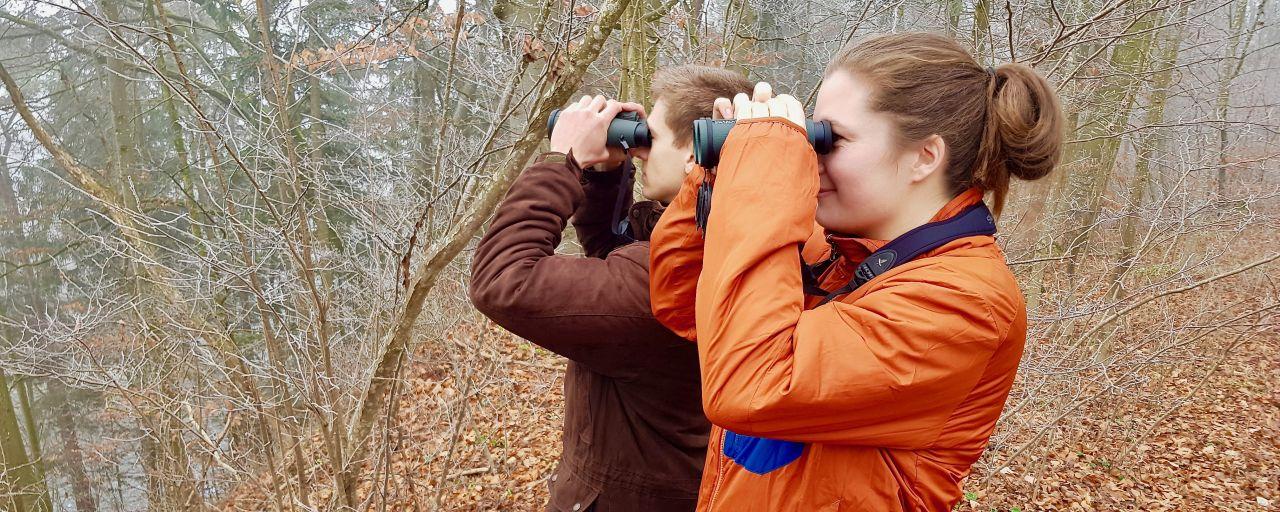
x=689 y=92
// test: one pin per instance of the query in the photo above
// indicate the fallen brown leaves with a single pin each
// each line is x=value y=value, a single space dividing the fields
x=507 y=444
x=1184 y=434
x=1217 y=451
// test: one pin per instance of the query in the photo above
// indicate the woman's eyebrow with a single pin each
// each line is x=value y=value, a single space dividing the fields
x=835 y=125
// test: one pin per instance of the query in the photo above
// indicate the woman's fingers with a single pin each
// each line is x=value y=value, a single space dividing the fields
x=773 y=108
x=759 y=109
x=785 y=101
x=762 y=93
x=722 y=109
x=742 y=106
x=790 y=108
x=763 y=104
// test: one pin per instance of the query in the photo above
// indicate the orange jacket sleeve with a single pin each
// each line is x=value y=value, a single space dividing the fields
x=675 y=256
x=885 y=367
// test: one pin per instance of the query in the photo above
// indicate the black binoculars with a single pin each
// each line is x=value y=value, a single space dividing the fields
x=626 y=126
x=708 y=135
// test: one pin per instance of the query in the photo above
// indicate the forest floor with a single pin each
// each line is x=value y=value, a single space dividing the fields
x=1218 y=450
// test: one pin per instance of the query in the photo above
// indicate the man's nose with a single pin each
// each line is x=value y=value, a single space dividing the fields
x=641 y=153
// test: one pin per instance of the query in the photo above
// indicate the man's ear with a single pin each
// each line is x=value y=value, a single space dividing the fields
x=688 y=163
x=931 y=158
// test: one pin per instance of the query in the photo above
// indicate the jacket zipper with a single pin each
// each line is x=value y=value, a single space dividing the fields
x=715 y=489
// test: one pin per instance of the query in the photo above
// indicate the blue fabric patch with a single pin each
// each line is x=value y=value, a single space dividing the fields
x=759 y=455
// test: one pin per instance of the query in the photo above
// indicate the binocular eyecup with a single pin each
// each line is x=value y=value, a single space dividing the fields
x=626 y=126
x=709 y=136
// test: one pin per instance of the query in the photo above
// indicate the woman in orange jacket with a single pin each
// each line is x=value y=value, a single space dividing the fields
x=876 y=383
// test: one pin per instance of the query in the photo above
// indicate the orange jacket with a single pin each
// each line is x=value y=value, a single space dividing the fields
x=888 y=393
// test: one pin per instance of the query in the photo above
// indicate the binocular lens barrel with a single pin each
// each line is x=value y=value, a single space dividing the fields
x=709 y=135
x=626 y=126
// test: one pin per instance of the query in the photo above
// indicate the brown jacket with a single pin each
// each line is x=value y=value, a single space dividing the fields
x=634 y=433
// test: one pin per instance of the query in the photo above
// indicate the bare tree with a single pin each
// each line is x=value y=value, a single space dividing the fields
x=234 y=235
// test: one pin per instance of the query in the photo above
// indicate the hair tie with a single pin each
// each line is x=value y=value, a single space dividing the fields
x=991 y=71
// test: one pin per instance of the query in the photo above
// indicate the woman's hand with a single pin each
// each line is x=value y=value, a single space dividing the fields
x=761 y=104
x=583 y=126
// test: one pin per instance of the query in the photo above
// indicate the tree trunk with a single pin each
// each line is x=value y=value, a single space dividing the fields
x=72 y=455
x=982 y=31
x=639 y=50
x=305 y=264
x=1145 y=144
x=1099 y=134
x=23 y=476
x=1238 y=28
x=740 y=19
x=23 y=388
x=124 y=111
x=26 y=491
x=955 y=12
x=692 y=26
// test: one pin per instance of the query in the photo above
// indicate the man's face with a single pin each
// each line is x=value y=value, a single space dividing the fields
x=665 y=163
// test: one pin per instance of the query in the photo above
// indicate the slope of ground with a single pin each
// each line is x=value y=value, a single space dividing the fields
x=1217 y=450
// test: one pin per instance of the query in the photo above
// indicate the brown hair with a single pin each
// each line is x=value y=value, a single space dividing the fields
x=996 y=122
x=689 y=93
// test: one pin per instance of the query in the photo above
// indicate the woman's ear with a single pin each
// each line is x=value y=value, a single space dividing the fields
x=688 y=163
x=931 y=158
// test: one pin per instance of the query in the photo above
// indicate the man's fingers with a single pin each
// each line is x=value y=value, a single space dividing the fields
x=581 y=104
x=635 y=107
x=722 y=109
x=741 y=106
x=611 y=109
x=762 y=93
x=597 y=103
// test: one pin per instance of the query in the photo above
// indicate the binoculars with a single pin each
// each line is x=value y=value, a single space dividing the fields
x=708 y=135
x=626 y=126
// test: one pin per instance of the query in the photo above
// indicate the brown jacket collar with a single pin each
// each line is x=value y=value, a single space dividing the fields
x=643 y=217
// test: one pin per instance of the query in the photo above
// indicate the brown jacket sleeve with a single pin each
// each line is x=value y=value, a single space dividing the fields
x=593 y=219
x=584 y=308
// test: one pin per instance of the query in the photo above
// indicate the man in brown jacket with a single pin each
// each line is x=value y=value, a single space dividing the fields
x=634 y=435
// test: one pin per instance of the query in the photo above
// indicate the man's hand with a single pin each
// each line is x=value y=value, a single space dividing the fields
x=582 y=128
x=761 y=104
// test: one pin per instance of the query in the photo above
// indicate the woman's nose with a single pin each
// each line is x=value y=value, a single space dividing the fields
x=642 y=153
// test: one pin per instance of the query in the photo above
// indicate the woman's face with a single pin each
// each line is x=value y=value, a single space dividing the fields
x=865 y=179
